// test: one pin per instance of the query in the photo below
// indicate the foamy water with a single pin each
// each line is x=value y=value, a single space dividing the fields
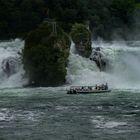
x=11 y=51
x=123 y=60
x=100 y=122
x=123 y=67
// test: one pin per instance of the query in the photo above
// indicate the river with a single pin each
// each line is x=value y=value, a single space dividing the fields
x=51 y=114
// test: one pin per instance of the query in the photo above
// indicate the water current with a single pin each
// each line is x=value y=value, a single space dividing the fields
x=51 y=114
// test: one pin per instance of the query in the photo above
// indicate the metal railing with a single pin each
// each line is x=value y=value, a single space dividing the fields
x=53 y=22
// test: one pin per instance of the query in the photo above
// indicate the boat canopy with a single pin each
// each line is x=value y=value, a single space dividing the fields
x=80 y=87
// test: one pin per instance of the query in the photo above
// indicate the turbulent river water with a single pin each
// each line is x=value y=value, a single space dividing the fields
x=51 y=114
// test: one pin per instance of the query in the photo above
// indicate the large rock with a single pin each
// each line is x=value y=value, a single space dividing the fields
x=11 y=65
x=45 y=55
x=97 y=57
x=81 y=36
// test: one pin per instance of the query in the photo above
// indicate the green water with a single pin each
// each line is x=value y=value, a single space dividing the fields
x=51 y=114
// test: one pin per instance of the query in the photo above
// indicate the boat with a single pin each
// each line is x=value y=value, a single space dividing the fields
x=88 y=89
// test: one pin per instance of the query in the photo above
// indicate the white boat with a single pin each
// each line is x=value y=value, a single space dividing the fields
x=87 y=89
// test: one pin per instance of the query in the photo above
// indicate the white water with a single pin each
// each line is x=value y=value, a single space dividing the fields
x=9 y=50
x=123 y=71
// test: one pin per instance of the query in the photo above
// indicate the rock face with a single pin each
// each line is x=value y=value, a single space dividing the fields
x=81 y=36
x=98 y=58
x=10 y=65
x=45 y=55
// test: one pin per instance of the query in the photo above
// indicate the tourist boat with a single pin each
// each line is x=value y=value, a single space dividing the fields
x=87 y=89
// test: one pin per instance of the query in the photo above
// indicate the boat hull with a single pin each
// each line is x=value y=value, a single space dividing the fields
x=88 y=92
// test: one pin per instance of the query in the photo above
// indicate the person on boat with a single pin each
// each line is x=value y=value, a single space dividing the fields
x=89 y=88
x=103 y=87
x=96 y=87
x=74 y=91
x=82 y=88
x=106 y=86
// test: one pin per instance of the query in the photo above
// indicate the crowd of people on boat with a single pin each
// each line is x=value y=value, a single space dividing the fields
x=90 y=88
x=101 y=87
x=82 y=89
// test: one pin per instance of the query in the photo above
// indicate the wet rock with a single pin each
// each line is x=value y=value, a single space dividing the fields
x=10 y=65
x=97 y=56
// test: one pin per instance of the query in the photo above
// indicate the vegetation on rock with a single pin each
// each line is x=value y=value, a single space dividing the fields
x=81 y=36
x=45 y=56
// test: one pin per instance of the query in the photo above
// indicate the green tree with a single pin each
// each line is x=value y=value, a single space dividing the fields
x=123 y=9
x=67 y=12
x=45 y=56
x=81 y=36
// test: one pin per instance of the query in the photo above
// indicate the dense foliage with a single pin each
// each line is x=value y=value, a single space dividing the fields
x=106 y=18
x=79 y=33
x=17 y=17
x=45 y=56
x=81 y=36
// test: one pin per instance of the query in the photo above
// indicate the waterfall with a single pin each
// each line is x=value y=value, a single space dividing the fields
x=123 y=70
x=11 y=69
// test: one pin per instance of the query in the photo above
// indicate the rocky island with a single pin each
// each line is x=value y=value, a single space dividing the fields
x=45 y=55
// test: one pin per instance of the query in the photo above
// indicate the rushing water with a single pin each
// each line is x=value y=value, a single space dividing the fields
x=123 y=69
x=10 y=51
x=51 y=114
